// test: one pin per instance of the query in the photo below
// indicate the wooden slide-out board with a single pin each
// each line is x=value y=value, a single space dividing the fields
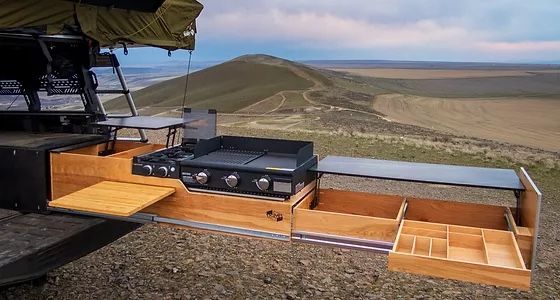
x=113 y=198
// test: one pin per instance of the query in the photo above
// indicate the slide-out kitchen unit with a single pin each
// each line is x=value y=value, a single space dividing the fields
x=474 y=242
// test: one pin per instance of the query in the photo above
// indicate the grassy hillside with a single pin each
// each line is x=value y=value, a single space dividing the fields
x=227 y=87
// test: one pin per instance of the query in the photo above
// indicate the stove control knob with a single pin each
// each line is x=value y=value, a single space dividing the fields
x=202 y=177
x=161 y=172
x=147 y=170
x=263 y=183
x=232 y=180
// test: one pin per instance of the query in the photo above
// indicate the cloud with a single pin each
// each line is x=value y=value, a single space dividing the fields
x=521 y=47
x=327 y=30
x=466 y=28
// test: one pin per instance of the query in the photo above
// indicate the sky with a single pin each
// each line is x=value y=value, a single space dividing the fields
x=424 y=30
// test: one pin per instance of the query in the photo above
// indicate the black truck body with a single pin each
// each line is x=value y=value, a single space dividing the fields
x=34 y=240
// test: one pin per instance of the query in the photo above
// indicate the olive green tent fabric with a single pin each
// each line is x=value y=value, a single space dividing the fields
x=171 y=27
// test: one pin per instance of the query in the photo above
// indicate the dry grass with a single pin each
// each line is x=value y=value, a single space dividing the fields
x=525 y=121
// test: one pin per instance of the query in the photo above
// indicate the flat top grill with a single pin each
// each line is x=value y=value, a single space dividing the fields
x=229 y=157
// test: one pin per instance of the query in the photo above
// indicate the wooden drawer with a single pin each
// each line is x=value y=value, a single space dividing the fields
x=355 y=215
x=472 y=254
x=485 y=216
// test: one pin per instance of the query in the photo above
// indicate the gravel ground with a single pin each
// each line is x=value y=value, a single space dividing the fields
x=164 y=262
x=172 y=263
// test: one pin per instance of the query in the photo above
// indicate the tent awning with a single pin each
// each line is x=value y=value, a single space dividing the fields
x=171 y=26
x=143 y=5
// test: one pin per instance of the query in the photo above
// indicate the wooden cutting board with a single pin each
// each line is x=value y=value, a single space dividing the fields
x=113 y=198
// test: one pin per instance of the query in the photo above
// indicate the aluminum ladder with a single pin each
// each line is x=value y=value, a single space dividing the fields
x=109 y=60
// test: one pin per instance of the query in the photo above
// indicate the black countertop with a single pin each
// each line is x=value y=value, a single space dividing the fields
x=142 y=122
x=505 y=179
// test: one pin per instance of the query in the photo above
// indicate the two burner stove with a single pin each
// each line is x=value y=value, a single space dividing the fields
x=164 y=163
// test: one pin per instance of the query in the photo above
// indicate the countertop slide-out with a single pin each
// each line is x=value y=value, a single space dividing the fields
x=113 y=198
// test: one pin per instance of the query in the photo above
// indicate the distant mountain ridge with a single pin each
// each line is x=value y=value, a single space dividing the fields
x=440 y=65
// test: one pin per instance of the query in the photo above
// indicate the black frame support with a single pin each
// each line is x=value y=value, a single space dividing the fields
x=315 y=201
x=171 y=132
x=517 y=194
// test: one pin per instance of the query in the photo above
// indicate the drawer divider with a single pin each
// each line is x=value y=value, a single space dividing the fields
x=511 y=221
x=487 y=259
x=398 y=237
x=447 y=227
x=402 y=210
x=430 y=249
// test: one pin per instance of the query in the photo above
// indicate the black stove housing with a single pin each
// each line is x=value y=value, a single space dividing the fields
x=284 y=163
x=162 y=163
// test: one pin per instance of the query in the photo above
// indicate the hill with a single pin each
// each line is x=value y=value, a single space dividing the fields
x=260 y=91
x=229 y=86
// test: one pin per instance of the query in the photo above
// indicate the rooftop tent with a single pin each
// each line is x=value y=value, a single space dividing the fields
x=143 y=5
x=167 y=24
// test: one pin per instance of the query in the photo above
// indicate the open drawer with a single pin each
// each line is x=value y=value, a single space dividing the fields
x=458 y=252
x=353 y=219
x=472 y=242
